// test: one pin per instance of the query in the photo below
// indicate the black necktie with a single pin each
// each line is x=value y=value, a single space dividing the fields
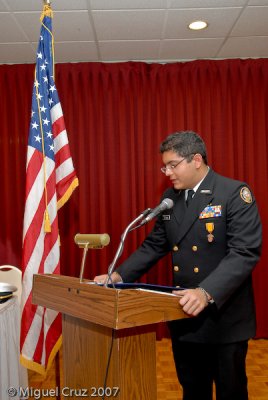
x=190 y=195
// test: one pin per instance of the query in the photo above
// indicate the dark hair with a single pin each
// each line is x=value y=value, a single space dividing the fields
x=186 y=144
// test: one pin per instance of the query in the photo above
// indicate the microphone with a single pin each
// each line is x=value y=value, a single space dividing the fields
x=166 y=204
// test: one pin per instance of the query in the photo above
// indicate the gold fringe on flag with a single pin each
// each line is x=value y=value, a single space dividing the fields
x=68 y=193
x=40 y=369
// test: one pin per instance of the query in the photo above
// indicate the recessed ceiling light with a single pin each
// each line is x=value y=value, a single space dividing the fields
x=197 y=25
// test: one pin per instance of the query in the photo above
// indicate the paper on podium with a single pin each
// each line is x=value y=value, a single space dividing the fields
x=146 y=286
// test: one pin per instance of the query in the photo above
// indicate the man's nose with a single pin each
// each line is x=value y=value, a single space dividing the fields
x=168 y=172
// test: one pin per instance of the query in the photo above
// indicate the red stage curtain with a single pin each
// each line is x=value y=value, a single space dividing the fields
x=116 y=116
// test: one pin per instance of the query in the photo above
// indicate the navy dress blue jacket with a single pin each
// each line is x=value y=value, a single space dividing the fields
x=215 y=243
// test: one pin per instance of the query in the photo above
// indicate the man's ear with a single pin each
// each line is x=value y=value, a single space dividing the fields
x=198 y=159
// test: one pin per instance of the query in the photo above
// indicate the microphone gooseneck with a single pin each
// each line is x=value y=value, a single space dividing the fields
x=144 y=217
x=121 y=244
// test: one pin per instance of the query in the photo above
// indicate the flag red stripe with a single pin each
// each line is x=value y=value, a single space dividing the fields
x=58 y=126
x=33 y=168
x=64 y=184
x=51 y=337
x=39 y=346
x=50 y=240
x=28 y=313
x=62 y=155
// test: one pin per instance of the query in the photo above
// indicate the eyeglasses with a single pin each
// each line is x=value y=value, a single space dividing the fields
x=171 y=167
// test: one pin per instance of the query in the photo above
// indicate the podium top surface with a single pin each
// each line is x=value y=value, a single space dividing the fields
x=114 y=308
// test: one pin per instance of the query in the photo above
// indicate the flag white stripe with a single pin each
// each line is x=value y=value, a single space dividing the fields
x=60 y=141
x=35 y=195
x=49 y=318
x=56 y=112
x=33 y=334
x=32 y=267
x=30 y=152
x=64 y=169
x=52 y=259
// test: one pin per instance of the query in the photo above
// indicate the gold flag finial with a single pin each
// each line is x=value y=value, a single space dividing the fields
x=47 y=10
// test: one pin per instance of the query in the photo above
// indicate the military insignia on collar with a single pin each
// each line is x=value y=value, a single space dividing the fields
x=205 y=191
x=245 y=194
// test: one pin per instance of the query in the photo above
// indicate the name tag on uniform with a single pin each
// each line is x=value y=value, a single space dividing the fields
x=166 y=217
x=211 y=212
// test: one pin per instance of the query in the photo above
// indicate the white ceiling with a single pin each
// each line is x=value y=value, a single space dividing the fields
x=141 y=30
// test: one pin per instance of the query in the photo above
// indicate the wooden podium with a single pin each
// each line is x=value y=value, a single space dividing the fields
x=107 y=331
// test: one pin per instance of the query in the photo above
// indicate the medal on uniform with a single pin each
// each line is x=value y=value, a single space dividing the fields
x=210 y=229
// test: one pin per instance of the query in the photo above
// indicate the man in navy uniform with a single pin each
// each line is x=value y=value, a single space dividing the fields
x=214 y=235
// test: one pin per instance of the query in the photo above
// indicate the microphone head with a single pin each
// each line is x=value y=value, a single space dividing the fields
x=169 y=203
x=164 y=205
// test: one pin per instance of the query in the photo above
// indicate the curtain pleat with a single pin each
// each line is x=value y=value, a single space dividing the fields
x=116 y=116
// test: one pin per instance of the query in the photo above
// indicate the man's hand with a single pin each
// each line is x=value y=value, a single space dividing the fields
x=115 y=277
x=193 y=301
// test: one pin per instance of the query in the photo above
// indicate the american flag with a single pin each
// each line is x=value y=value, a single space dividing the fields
x=50 y=181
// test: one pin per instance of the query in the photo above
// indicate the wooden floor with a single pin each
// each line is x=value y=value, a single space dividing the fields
x=167 y=384
x=257 y=371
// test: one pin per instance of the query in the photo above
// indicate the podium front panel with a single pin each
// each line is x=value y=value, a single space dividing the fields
x=132 y=367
